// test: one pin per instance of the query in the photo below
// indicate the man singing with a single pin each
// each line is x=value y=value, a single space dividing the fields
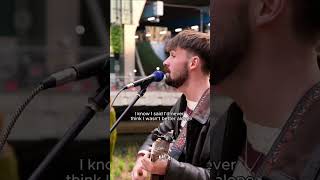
x=187 y=69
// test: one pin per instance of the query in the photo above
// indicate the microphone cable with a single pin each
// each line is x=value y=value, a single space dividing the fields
x=117 y=96
x=17 y=114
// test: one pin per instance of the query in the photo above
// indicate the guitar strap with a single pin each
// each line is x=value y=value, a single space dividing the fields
x=292 y=150
x=178 y=146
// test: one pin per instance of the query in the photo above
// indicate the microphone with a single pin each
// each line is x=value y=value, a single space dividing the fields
x=77 y=72
x=154 y=77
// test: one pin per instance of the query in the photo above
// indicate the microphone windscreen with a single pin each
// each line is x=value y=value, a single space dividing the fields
x=158 y=75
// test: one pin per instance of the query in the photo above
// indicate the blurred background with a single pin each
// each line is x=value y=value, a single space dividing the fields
x=138 y=32
x=39 y=37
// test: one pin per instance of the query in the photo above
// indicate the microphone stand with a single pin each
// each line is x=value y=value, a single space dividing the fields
x=143 y=89
x=96 y=103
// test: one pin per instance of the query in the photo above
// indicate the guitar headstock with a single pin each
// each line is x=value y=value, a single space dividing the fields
x=156 y=134
x=160 y=146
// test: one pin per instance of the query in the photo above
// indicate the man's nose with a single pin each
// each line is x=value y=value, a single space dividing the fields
x=166 y=62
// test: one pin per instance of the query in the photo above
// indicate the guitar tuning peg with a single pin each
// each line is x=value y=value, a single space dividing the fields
x=155 y=134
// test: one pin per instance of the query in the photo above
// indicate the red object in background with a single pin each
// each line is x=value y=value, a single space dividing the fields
x=113 y=88
x=36 y=71
x=64 y=88
x=86 y=86
x=11 y=86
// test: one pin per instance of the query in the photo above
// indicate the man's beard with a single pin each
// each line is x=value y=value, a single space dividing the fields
x=178 y=81
x=230 y=44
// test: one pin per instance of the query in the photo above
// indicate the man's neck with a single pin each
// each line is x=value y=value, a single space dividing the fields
x=268 y=85
x=194 y=88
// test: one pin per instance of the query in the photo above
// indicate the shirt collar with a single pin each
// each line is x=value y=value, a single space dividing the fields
x=202 y=110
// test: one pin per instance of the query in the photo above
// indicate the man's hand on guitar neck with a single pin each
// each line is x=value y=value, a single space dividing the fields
x=158 y=167
x=138 y=173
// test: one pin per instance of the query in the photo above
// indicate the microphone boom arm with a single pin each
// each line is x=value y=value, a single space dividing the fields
x=138 y=96
x=97 y=103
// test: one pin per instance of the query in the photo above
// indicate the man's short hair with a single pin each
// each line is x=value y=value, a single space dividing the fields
x=306 y=20
x=194 y=42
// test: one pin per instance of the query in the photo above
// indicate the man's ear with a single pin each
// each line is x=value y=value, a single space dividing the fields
x=266 y=11
x=195 y=62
